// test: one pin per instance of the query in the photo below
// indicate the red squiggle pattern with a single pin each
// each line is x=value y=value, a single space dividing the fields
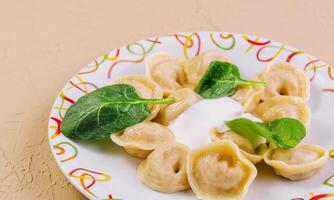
x=253 y=43
x=221 y=36
x=57 y=132
x=97 y=64
x=123 y=61
x=154 y=41
x=62 y=107
x=142 y=54
x=188 y=43
x=279 y=50
x=314 y=68
x=64 y=97
x=256 y=42
x=328 y=90
x=79 y=88
x=321 y=196
x=96 y=67
x=292 y=55
x=85 y=175
x=82 y=85
x=62 y=151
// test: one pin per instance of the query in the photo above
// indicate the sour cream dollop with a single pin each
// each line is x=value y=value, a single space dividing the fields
x=193 y=125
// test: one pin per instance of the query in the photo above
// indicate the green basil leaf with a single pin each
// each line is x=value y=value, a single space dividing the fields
x=105 y=111
x=221 y=79
x=284 y=132
x=287 y=132
x=248 y=129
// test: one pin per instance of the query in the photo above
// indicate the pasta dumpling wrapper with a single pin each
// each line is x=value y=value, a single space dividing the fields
x=145 y=88
x=198 y=65
x=184 y=97
x=255 y=155
x=164 y=170
x=284 y=106
x=249 y=96
x=141 y=139
x=167 y=71
x=218 y=171
x=297 y=163
x=285 y=79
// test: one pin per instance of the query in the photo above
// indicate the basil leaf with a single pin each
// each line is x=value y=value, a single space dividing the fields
x=105 y=111
x=221 y=79
x=284 y=132
x=248 y=129
x=287 y=132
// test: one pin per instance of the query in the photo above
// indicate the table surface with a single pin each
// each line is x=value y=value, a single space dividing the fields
x=43 y=43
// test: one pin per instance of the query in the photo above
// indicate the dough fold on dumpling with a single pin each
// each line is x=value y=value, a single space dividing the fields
x=197 y=66
x=219 y=171
x=164 y=170
x=297 y=163
x=145 y=88
x=141 y=139
x=285 y=79
x=184 y=97
x=167 y=71
x=255 y=155
x=249 y=96
x=282 y=107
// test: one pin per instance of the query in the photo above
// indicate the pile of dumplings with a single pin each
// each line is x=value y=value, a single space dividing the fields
x=225 y=168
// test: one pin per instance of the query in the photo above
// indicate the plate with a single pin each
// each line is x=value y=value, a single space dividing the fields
x=102 y=170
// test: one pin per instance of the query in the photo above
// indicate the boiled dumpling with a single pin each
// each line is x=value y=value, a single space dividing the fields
x=255 y=155
x=167 y=71
x=141 y=139
x=249 y=96
x=284 y=106
x=219 y=171
x=285 y=79
x=198 y=65
x=145 y=88
x=184 y=99
x=243 y=143
x=164 y=170
x=298 y=163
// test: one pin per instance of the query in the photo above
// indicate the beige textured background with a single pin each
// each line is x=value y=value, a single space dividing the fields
x=43 y=43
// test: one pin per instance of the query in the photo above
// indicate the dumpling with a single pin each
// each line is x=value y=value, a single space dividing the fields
x=219 y=171
x=249 y=96
x=164 y=170
x=246 y=148
x=145 y=88
x=242 y=142
x=167 y=71
x=197 y=66
x=285 y=79
x=184 y=97
x=298 y=163
x=284 y=106
x=141 y=139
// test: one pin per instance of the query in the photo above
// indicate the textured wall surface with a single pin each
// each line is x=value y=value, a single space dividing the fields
x=43 y=43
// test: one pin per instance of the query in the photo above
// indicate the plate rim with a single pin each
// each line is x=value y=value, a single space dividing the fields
x=62 y=169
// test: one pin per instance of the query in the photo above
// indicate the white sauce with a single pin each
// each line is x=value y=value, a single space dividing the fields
x=193 y=125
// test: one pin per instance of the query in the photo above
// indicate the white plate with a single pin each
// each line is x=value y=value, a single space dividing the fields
x=102 y=170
